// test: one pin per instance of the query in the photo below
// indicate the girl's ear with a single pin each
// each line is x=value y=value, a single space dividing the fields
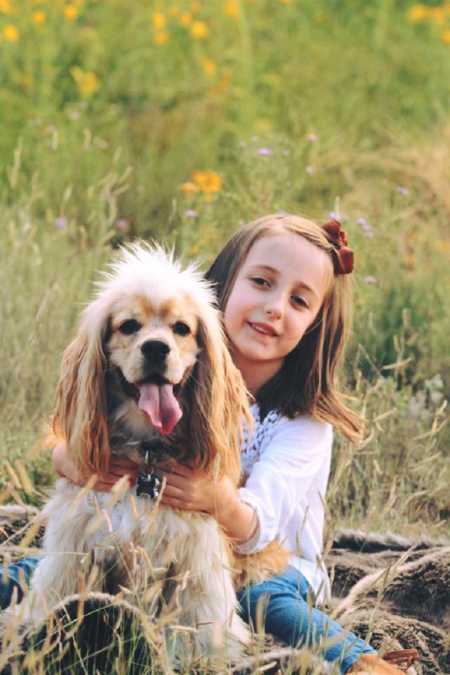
x=218 y=403
x=80 y=417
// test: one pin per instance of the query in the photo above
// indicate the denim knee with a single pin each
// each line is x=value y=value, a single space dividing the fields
x=16 y=576
x=284 y=606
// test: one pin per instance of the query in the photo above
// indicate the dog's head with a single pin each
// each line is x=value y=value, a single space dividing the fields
x=155 y=322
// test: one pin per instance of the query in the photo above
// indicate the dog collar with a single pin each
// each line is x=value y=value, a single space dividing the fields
x=149 y=482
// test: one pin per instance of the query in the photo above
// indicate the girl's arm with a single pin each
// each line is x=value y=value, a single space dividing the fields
x=65 y=467
x=288 y=482
x=194 y=490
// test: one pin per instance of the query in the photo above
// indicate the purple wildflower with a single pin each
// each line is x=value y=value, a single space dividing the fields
x=61 y=222
x=365 y=226
x=264 y=152
x=123 y=225
x=334 y=215
x=190 y=213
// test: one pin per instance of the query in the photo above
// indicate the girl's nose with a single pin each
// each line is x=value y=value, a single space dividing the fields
x=273 y=313
x=274 y=307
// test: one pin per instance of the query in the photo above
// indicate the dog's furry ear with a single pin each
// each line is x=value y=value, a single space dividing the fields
x=81 y=407
x=218 y=403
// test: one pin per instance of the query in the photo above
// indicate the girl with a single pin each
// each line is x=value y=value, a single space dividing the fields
x=283 y=286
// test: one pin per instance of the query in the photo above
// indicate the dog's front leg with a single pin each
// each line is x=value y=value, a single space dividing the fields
x=205 y=596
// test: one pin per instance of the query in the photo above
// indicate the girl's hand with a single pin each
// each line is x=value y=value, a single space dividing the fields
x=194 y=490
x=66 y=468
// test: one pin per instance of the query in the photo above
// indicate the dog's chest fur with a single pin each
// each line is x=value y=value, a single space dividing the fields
x=131 y=536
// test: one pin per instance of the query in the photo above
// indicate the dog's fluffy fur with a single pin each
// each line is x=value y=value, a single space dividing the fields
x=151 y=324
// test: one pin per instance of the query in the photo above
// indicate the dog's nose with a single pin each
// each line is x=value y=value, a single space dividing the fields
x=155 y=350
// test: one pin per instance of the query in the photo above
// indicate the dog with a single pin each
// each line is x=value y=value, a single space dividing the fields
x=148 y=376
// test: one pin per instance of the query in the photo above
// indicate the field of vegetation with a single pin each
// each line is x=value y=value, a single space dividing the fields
x=178 y=120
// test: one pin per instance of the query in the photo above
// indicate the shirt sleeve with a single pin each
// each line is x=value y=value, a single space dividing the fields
x=291 y=465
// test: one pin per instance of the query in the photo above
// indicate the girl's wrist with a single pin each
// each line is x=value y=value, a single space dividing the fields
x=237 y=518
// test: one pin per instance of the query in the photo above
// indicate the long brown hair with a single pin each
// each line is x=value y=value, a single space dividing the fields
x=308 y=380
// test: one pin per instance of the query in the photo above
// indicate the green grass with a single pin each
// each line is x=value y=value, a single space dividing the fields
x=316 y=106
x=350 y=102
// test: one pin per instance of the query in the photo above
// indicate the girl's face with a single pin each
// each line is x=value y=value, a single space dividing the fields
x=277 y=294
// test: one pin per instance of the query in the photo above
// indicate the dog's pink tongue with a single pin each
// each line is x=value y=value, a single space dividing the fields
x=160 y=404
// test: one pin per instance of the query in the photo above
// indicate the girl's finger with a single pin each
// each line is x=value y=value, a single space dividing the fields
x=176 y=503
x=172 y=491
x=179 y=469
x=123 y=463
x=175 y=480
x=106 y=483
x=117 y=475
x=103 y=486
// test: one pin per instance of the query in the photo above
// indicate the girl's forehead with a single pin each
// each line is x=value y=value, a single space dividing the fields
x=293 y=256
x=284 y=247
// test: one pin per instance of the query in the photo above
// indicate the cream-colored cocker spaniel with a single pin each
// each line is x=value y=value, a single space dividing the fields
x=148 y=376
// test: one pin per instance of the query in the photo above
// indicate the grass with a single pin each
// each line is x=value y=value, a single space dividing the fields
x=180 y=133
x=314 y=107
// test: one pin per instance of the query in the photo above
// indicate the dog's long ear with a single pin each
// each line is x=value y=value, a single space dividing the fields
x=81 y=407
x=219 y=403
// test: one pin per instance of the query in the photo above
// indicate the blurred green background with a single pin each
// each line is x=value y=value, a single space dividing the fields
x=179 y=120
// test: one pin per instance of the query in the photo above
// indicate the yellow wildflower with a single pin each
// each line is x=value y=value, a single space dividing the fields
x=263 y=125
x=10 y=33
x=159 y=20
x=161 y=37
x=207 y=181
x=199 y=30
x=39 y=17
x=6 y=7
x=186 y=19
x=222 y=86
x=437 y=14
x=445 y=37
x=232 y=8
x=70 y=12
x=189 y=188
x=174 y=11
x=443 y=245
x=417 y=13
x=86 y=81
x=209 y=67
x=195 y=6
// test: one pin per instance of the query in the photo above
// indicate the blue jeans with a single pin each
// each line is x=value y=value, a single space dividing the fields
x=16 y=576
x=285 y=603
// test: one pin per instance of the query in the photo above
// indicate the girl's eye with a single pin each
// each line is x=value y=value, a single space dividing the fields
x=181 y=328
x=299 y=301
x=130 y=326
x=260 y=281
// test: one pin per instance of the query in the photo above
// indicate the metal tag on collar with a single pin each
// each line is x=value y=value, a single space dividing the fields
x=149 y=483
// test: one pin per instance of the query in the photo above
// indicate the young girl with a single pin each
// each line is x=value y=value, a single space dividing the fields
x=283 y=286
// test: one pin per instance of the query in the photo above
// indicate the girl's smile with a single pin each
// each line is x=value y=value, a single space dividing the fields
x=278 y=291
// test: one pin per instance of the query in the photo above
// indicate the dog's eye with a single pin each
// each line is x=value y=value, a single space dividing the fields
x=129 y=327
x=181 y=328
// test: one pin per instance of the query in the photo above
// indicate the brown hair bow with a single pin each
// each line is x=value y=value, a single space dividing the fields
x=343 y=260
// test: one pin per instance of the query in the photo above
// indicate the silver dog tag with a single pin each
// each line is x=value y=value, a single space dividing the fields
x=148 y=485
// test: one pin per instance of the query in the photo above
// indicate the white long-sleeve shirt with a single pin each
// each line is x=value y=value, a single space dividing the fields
x=286 y=465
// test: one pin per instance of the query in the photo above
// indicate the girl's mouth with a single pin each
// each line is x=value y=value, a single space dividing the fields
x=263 y=328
